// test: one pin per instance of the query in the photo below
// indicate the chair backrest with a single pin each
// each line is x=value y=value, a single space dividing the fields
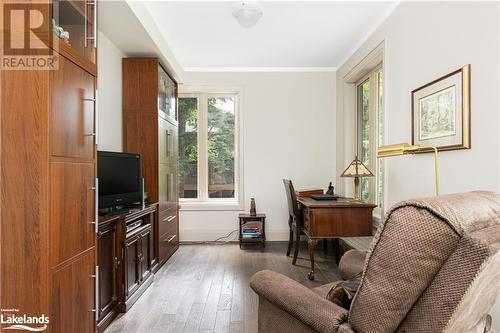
x=291 y=197
x=433 y=266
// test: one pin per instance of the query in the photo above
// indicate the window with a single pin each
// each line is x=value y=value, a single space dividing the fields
x=208 y=137
x=188 y=147
x=370 y=115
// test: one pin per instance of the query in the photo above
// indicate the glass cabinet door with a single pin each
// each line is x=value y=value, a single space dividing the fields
x=167 y=93
x=74 y=23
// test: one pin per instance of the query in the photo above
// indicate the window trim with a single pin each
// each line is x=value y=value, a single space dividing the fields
x=374 y=111
x=202 y=202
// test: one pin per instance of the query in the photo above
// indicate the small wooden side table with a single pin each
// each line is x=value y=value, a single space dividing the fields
x=256 y=222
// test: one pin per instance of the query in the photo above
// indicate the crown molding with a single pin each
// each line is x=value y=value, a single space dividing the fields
x=369 y=33
x=260 y=69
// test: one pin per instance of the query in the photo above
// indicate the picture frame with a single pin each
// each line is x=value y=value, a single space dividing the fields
x=441 y=112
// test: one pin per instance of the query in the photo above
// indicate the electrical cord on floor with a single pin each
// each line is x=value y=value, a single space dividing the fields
x=218 y=241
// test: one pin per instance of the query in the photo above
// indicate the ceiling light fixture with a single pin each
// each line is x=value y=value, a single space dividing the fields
x=247 y=13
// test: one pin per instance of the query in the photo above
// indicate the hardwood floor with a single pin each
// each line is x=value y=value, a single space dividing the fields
x=204 y=288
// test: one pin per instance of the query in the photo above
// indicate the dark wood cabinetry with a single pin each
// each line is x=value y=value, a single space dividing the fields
x=137 y=252
x=151 y=129
x=126 y=260
x=109 y=260
x=48 y=177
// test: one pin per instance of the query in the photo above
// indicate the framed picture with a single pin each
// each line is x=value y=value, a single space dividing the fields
x=441 y=112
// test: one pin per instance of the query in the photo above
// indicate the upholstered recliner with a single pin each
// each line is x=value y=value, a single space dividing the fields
x=433 y=266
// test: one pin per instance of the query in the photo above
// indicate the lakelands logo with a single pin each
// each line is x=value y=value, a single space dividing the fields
x=15 y=321
x=27 y=36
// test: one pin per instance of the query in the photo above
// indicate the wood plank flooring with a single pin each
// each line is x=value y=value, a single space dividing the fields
x=205 y=288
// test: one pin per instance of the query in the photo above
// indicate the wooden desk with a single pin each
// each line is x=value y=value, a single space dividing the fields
x=333 y=219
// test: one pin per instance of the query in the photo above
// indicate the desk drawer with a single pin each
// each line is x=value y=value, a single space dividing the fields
x=339 y=222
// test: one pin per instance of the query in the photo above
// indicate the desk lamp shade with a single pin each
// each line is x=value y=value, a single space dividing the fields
x=356 y=169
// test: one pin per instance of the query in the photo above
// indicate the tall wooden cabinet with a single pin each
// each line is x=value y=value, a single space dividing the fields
x=48 y=181
x=150 y=129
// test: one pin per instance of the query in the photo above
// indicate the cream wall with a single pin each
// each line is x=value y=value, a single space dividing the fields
x=109 y=85
x=288 y=131
x=421 y=42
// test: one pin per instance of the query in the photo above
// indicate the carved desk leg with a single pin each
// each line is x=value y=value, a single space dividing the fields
x=312 y=246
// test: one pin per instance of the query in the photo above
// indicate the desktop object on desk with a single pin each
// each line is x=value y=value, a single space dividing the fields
x=331 y=189
x=324 y=197
x=329 y=195
x=317 y=193
x=356 y=169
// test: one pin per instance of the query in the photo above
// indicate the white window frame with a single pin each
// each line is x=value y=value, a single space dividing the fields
x=374 y=111
x=203 y=202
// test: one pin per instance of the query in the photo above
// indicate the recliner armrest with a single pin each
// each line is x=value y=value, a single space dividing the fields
x=299 y=301
x=352 y=263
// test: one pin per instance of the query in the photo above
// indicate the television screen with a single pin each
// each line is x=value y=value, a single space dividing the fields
x=119 y=179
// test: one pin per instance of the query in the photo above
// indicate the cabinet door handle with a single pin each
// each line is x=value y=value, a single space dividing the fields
x=96 y=113
x=96 y=277
x=168 y=143
x=85 y=14
x=171 y=238
x=94 y=100
x=96 y=204
x=95 y=24
x=169 y=218
x=95 y=222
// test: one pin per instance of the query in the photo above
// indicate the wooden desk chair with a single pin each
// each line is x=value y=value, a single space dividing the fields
x=294 y=219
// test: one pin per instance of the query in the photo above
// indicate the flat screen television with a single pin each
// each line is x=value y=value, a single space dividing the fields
x=120 y=181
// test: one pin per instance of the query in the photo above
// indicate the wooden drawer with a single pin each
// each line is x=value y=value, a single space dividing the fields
x=168 y=244
x=168 y=221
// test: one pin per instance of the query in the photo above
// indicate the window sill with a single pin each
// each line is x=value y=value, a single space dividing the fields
x=229 y=205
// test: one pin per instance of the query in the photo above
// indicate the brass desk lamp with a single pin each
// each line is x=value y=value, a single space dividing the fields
x=405 y=148
x=356 y=169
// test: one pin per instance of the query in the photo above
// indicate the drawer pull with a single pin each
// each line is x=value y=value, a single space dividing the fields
x=171 y=238
x=169 y=218
x=91 y=134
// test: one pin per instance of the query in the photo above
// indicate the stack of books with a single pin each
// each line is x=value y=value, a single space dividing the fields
x=251 y=230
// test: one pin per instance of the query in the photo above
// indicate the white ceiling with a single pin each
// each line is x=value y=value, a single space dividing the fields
x=204 y=35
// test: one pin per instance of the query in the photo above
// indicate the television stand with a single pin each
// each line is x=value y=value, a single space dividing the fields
x=116 y=211
x=127 y=260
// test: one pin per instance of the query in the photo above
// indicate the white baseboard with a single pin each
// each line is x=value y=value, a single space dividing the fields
x=211 y=235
